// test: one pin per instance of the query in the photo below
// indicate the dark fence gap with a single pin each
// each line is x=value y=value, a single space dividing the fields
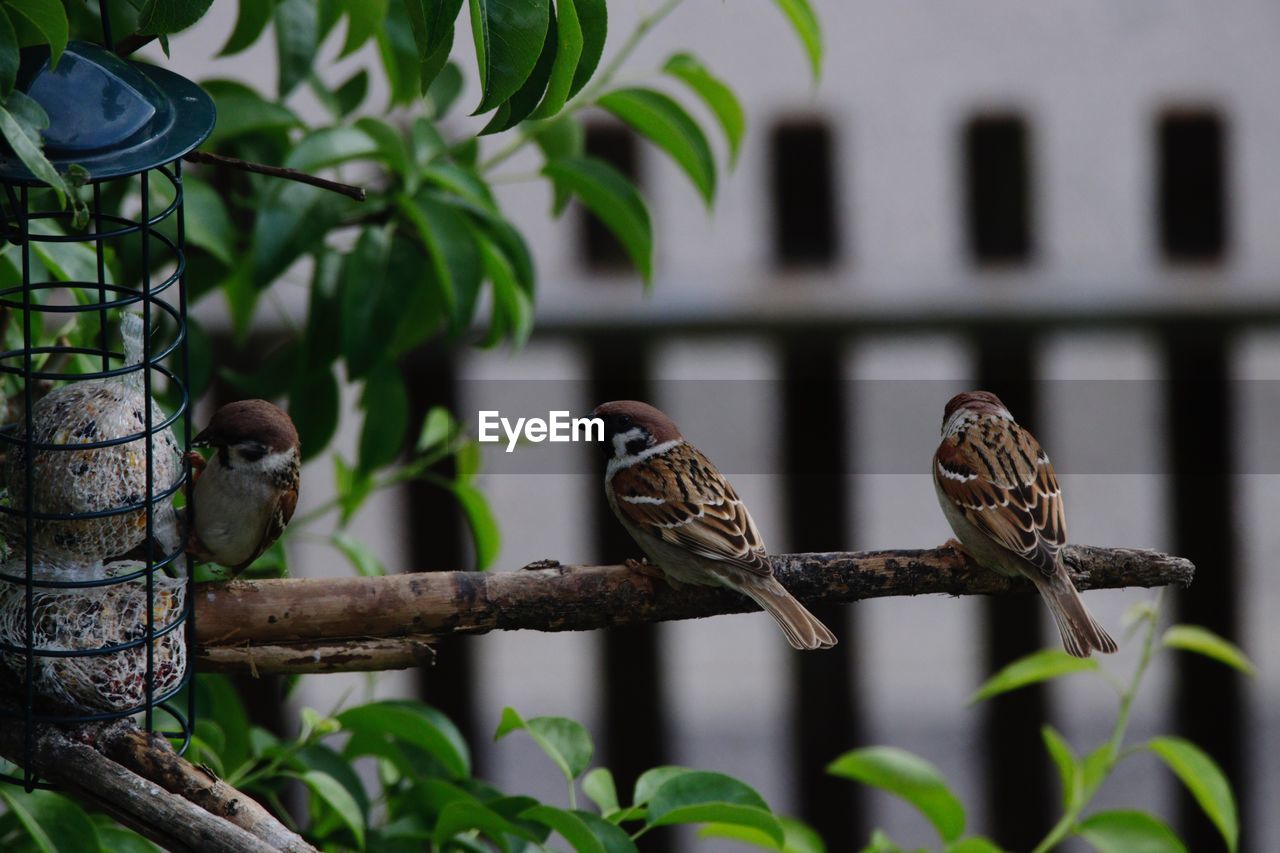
x=998 y=198
x=802 y=189
x=824 y=720
x=434 y=524
x=600 y=249
x=636 y=735
x=1208 y=697
x=1192 y=186
x=1020 y=805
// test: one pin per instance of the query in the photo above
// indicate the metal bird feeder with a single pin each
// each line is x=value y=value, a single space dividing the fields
x=91 y=636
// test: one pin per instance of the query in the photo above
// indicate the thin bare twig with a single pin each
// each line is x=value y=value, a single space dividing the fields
x=205 y=157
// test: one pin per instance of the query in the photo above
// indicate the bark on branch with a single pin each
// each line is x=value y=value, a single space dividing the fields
x=307 y=618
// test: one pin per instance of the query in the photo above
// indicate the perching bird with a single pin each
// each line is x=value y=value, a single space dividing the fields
x=247 y=491
x=687 y=518
x=94 y=479
x=1001 y=497
x=88 y=620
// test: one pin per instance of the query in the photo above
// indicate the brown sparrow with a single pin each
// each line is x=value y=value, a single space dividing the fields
x=1001 y=497
x=687 y=518
x=247 y=491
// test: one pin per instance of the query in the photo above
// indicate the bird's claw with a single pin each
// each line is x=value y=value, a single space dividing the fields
x=542 y=564
x=645 y=568
x=955 y=545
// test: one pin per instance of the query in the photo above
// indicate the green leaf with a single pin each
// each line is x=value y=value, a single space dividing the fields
x=609 y=195
x=521 y=104
x=399 y=55
x=566 y=742
x=909 y=777
x=1193 y=638
x=599 y=787
x=568 y=52
x=799 y=838
x=18 y=134
x=386 y=408
x=242 y=111
x=50 y=20
x=292 y=220
x=207 y=222
x=653 y=779
x=717 y=96
x=570 y=826
x=974 y=844
x=1094 y=768
x=390 y=143
x=438 y=430
x=369 y=302
x=314 y=407
x=252 y=19
x=330 y=146
x=351 y=94
x=162 y=17
x=297 y=37
x=512 y=306
x=508 y=36
x=485 y=536
x=117 y=839
x=364 y=18
x=443 y=91
x=702 y=797
x=1129 y=832
x=462 y=182
x=451 y=247
x=467 y=815
x=1035 y=667
x=53 y=819
x=8 y=54
x=351 y=486
x=361 y=556
x=324 y=311
x=338 y=798
x=593 y=19
x=1068 y=766
x=1204 y=780
x=666 y=124
x=415 y=724
x=803 y=20
x=613 y=839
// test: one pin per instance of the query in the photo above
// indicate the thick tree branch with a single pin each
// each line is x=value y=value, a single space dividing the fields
x=284 y=614
x=167 y=819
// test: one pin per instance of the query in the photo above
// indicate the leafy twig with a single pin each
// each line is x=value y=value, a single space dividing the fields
x=205 y=157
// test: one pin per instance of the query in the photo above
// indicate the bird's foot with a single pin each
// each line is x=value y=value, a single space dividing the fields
x=198 y=463
x=542 y=564
x=955 y=545
x=643 y=567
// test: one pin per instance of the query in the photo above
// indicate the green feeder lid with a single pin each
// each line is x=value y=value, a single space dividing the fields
x=110 y=116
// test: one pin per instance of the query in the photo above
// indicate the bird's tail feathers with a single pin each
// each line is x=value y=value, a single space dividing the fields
x=1081 y=633
x=804 y=630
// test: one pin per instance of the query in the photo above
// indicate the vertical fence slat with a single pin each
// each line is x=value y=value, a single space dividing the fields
x=1019 y=805
x=434 y=522
x=825 y=721
x=636 y=735
x=1208 y=697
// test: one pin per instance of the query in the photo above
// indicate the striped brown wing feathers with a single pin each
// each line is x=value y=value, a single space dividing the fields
x=680 y=497
x=997 y=474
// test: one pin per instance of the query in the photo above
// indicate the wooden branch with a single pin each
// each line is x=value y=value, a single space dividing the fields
x=580 y=598
x=150 y=756
x=167 y=819
x=355 y=655
x=207 y=158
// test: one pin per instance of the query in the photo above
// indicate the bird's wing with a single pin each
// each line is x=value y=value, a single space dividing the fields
x=680 y=497
x=276 y=523
x=997 y=474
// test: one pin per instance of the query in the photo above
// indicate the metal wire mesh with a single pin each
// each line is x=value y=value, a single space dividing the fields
x=96 y=615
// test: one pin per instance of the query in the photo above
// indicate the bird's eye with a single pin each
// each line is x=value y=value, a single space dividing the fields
x=251 y=452
x=624 y=420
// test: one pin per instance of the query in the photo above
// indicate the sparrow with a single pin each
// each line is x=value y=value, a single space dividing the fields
x=246 y=492
x=1002 y=499
x=101 y=482
x=688 y=520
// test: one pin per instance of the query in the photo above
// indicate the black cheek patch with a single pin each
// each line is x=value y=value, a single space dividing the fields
x=636 y=445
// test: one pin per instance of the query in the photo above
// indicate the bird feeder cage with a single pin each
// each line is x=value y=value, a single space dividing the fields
x=96 y=619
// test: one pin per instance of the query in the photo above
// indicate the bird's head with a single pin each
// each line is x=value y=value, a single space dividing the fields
x=631 y=427
x=971 y=405
x=252 y=434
